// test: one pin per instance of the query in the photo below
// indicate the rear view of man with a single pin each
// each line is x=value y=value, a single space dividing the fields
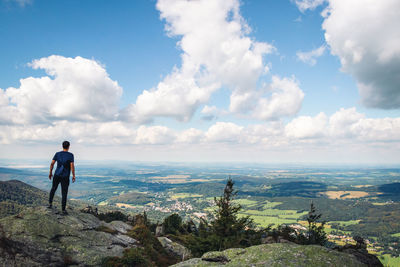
x=65 y=164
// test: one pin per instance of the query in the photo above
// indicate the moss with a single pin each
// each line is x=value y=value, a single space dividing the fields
x=277 y=255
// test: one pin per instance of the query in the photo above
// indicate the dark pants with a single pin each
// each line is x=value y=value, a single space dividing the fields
x=64 y=189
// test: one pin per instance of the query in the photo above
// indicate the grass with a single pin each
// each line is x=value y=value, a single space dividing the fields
x=184 y=195
x=265 y=221
x=245 y=202
x=273 y=216
x=396 y=235
x=345 y=223
x=388 y=260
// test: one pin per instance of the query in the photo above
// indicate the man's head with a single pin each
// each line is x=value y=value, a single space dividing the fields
x=65 y=145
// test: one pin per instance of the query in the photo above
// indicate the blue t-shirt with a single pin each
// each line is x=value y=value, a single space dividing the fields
x=64 y=160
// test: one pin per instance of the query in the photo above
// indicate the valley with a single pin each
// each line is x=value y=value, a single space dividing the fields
x=363 y=201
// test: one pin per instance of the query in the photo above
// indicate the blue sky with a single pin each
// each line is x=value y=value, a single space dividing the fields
x=140 y=76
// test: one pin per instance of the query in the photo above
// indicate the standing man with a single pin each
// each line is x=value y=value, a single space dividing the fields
x=65 y=163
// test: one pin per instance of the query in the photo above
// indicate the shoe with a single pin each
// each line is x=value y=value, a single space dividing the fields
x=64 y=212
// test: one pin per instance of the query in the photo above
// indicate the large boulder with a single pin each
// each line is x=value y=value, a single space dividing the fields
x=278 y=254
x=174 y=248
x=42 y=237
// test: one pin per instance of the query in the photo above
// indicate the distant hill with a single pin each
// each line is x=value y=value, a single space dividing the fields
x=15 y=195
x=390 y=191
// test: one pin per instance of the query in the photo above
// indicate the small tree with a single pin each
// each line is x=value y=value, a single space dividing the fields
x=172 y=224
x=227 y=226
x=315 y=233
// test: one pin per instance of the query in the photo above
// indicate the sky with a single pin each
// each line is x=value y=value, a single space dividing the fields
x=289 y=81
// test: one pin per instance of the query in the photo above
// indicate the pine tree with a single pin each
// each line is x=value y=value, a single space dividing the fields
x=227 y=226
x=316 y=233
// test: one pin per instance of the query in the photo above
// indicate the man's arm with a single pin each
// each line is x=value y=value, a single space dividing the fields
x=73 y=172
x=51 y=169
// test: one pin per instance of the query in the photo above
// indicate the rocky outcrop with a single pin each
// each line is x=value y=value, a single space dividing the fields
x=278 y=254
x=174 y=248
x=41 y=237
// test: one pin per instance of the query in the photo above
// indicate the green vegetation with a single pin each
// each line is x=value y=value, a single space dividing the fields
x=135 y=198
x=112 y=216
x=389 y=260
x=15 y=195
x=151 y=253
x=315 y=233
x=184 y=195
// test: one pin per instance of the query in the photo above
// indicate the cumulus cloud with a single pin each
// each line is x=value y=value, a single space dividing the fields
x=216 y=52
x=365 y=36
x=210 y=112
x=307 y=127
x=285 y=99
x=304 y=5
x=346 y=126
x=76 y=89
x=154 y=135
x=310 y=57
x=348 y=123
x=224 y=132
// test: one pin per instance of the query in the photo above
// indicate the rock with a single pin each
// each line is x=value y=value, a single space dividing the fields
x=268 y=240
x=218 y=258
x=40 y=236
x=121 y=227
x=361 y=253
x=277 y=254
x=174 y=248
x=160 y=230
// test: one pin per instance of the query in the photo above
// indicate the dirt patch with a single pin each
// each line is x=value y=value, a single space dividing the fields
x=345 y=194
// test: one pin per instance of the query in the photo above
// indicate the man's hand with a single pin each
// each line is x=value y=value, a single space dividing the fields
x=51 y=169
x=73 y=179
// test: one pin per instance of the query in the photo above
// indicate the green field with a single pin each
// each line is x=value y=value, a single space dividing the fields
x=389 y=261
x=345 y=223
x=396 y=235
x=184 y=195
x=273 y=216
x=245 y=202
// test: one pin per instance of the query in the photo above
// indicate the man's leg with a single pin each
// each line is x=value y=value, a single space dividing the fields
x=56 y=181
x=64 y=191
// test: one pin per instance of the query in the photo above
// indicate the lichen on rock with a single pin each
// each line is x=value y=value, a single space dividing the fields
x=278 y=254
x=59 y=240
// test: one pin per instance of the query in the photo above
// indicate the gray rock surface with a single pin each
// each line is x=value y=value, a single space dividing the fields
x=42 y=237
x=174 y=248
x=278 y=254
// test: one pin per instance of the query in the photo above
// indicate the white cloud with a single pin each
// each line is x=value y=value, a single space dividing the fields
x=348 y=123
x=76 y=89
x=210 y=112
x=364 y=35
x=307 y=127
x=216 y=52
x=154 y=135
x=190 y=136
x=340 y=123
x=344 y=129
x=310 y=57
x=285 y=99
x=224 y=132
x=304 y=5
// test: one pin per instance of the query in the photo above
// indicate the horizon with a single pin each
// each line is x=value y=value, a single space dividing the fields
x=225 y=81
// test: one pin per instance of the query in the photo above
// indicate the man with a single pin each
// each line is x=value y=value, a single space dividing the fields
x=65 y=164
